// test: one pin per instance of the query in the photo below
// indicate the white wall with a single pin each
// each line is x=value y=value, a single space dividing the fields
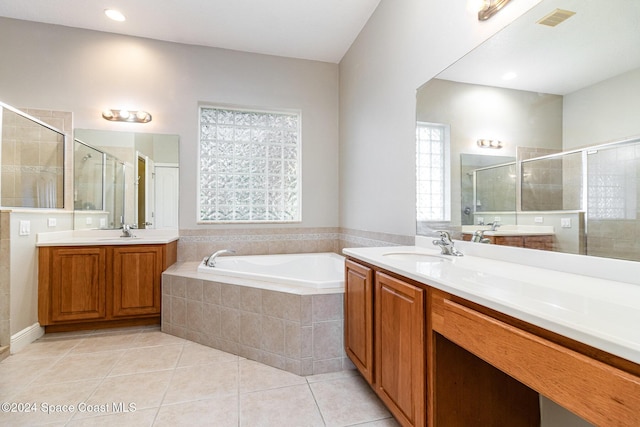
x=404 y=44
x=55 y=67
x=24 y=263
x=604 y=112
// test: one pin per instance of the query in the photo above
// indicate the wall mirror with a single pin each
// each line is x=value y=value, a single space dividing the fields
x=125 y=177
x=546 y=92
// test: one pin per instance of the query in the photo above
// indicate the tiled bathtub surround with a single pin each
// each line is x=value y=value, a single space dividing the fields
x=194 y=245
x=298 y=333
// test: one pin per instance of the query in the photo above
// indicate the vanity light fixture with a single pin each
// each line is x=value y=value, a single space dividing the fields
x=116 y=15
x=490 y=8
x=489 y=143
x=126 y=116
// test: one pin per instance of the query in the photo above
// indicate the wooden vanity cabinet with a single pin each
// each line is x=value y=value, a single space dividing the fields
x=77 y=283
x=82 y=287
x=358 y=317
x=400 y=348
x=384 y=338
x=597 y=386
x=542 y=242
x=137 y=272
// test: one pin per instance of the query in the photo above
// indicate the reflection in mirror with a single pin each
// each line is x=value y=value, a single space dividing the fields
x=574 y=88
x=552 y=183
x=488 y=186
x=88 y=177
x=32 y=161
x=141 y=179
x=99 y=188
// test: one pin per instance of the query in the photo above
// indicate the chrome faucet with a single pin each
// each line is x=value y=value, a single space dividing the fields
x=210 y=261
x=446 y=244
x=127 y=230
x=494 y=225
x=478 y=237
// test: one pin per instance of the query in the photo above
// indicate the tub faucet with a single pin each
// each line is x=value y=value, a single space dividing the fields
x=446 y=244
x=210 y=261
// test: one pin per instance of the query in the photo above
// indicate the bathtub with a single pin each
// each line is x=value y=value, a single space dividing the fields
x=313 y=270
x=282 y=310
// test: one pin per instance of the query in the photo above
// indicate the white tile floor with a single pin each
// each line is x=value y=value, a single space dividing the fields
x=168 y=381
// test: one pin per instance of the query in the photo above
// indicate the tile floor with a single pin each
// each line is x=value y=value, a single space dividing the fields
x=168 y=381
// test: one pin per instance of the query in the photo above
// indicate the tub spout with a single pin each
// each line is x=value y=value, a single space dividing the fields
x=210 y=261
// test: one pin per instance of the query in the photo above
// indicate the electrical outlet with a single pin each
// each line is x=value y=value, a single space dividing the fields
x=538 y=220
x=480 y=220
x=88 y=220
x=52 y=222
x=103 y=223
x=25 y=228
x=565 y=222
x=497 y=219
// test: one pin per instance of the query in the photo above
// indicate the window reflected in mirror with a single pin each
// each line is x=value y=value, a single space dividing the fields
x=432 y=172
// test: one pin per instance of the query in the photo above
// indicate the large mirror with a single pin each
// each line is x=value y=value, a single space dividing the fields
x=540 y=86
x=125 y=178
x=32 y=161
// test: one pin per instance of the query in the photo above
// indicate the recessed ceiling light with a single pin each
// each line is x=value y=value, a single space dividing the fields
x=509 y=76
x=114 y=14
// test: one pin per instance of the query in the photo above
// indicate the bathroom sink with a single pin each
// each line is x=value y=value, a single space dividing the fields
x=413 y=257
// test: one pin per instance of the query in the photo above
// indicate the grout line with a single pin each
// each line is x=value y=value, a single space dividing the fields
x=164 y=395
x=317 y=405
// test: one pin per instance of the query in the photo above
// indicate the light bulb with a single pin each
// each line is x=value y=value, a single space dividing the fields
x=115 y=15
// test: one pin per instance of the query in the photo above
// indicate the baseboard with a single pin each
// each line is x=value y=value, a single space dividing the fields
x=25 y=337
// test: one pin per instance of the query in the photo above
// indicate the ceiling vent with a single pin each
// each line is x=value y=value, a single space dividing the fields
x=556 y=17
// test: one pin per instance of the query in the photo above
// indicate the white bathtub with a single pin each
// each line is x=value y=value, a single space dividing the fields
x=313 y=270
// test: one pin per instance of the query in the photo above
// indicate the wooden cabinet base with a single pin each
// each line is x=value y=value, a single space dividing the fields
x=470 y=392
x=92 y=287
x=83 y=326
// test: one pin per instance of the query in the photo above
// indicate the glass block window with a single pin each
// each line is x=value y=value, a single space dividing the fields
x=612 y=189
x=249 y=168
x=433 y=198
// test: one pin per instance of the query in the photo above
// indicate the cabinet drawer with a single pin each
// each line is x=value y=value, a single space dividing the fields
x=598 y=392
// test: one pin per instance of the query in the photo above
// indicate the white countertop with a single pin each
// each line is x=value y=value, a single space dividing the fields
x=105 y=237
x=510 y=230
x=602 y=313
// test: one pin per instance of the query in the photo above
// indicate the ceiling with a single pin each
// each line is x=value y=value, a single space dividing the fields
x=600 y=41
x=321 y=30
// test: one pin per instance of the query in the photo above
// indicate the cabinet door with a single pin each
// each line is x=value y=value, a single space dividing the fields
x=137 y=271
x=399 y=349
x=358 y=317
x=78 y=284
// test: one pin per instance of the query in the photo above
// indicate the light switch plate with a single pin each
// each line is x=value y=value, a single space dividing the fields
x=52 y=222
x=565 y=222
x=103 y=223
x=538 y=220
x=88 y=220
x=25 y=228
